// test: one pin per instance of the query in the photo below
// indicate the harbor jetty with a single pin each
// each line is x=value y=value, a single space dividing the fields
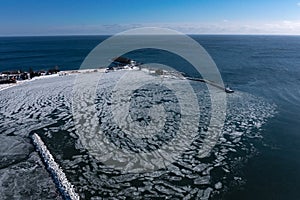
x=64 y=186
x=226 y=89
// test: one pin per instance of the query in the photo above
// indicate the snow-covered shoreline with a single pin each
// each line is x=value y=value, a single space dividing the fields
x=6 y=86
x=165 y=74
x=61 y=73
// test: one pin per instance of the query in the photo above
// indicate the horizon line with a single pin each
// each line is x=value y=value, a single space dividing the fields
x=192 y=34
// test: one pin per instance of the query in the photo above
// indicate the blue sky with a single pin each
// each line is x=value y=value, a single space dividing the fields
x=45 y=17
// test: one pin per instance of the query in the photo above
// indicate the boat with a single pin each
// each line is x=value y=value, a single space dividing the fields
x=228 y=90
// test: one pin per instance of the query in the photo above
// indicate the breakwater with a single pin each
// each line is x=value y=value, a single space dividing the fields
x=64 y=186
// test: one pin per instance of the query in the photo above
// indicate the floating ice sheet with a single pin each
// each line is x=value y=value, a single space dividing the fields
x=44 y=106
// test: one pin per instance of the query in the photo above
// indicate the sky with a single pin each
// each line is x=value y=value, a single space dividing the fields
x=103 y=17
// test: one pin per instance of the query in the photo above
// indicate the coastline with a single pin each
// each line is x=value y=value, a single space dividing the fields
x=61 y=73
x=159 y=72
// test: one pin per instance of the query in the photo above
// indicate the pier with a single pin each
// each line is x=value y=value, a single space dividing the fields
x=64 y=186
x=226 y=89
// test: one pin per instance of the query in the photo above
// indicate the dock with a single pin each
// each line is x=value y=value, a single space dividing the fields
x=64 y=186
x=226 y=89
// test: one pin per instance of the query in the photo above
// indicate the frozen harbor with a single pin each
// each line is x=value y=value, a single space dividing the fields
x=45 y=107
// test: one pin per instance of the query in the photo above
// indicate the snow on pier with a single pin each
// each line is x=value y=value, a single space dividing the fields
x=60 y=179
